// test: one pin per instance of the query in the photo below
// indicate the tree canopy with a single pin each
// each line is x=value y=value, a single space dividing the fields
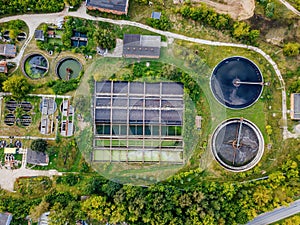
x=17 y=85
x=104 y=38
x=39 y=145
x=9 y=7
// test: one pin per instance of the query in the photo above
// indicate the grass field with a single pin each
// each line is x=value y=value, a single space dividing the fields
x=213 y=113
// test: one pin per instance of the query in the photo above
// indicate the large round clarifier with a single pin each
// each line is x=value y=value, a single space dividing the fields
x=236 y=82
x=68 y=68
x=237 y=144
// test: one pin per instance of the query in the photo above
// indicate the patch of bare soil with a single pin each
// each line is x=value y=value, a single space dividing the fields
x=237 y=9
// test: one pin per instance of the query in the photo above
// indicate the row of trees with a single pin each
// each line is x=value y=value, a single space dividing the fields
x=200 y=203
x=207 y=16
x=9 y=7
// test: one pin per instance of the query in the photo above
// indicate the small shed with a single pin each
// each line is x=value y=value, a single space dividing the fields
x=39 y=35
x=8 y=50
x=37 y=158
x=10 y=150
x=3 y=67
x=198 y=122
x=141 y=46
x=295 y=106
x=156 y=15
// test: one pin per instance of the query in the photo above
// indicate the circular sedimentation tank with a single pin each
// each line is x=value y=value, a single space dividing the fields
x=9 y=119
x=237 y=144
x=26 y=106
x=2 y=144
x=68 y=68
x=11 y=105
x=18 y=144
x=236 y=82
x=35 y=66
x=25 y=120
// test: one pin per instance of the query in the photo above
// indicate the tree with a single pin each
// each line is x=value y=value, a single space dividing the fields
x=104 y=38
x=13 y=34
x=60 y=215
x=37 y=211
x=72 y=179
x=97 y=208
x=291 y=49
x=269 y=130
x=39 y=145
x=3 y=78
x=270 y=8
x=240 y=30
x=17 y=85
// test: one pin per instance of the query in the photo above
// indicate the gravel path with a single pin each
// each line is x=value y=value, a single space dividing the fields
x=8 y=177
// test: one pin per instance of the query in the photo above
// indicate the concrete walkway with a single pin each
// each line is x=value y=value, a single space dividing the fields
x=8 y=177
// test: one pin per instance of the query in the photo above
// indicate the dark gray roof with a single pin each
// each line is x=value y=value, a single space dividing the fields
x=37 y=158
x=103 y=87
x=172 y=88
x=118 y=5
x=5 y=218
x=296 y=106
x=156 y=15
x=8 y=50
x=39 y=34
x=102 y=116
x=114 y=104
x=135 y=45
x=171 y=117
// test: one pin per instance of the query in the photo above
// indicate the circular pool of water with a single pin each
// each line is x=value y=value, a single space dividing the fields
x=237 y=144
x=236 y=82
x=35 y=66
x=68 y=68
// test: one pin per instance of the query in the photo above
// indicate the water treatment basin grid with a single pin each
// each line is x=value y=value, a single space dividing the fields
x=138 y=122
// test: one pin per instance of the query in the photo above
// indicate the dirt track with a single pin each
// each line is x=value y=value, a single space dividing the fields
x=237 y=9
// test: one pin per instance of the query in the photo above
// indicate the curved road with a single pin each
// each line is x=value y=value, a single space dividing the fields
x=290 y=7
x=277 y=214
x=33 y=20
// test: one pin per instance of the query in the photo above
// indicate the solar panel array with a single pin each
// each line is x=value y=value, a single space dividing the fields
x=138 y=122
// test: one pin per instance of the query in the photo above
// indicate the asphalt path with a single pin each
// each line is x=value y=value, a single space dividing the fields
x=276 y=214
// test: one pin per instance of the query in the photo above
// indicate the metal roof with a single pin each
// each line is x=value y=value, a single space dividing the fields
x=156 y=15
x=118 y=5
x=37 y=158
x=296 y=107
x=8 y=50
x=135 y=45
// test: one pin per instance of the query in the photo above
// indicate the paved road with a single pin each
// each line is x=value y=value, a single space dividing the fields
x=277 y=214
x=8 y=177
x=290 y=7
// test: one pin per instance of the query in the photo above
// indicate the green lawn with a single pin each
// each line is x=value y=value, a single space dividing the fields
x=55 y=41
